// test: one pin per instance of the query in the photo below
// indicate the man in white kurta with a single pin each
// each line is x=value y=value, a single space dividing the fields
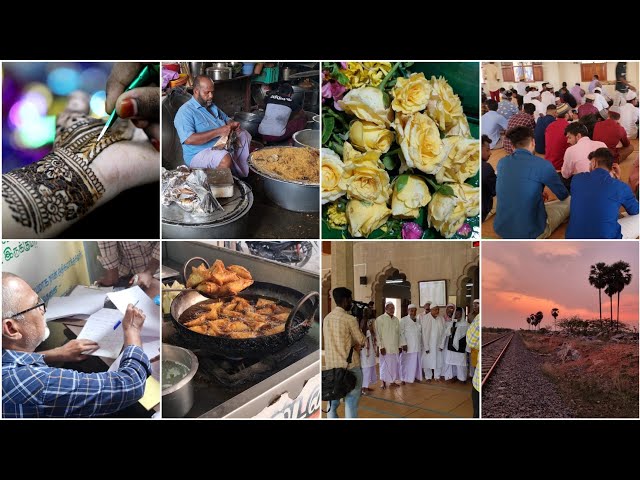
x=455 y=354
x=388 y=336
x=432 y=328
x=448 y=322
x=410 y=344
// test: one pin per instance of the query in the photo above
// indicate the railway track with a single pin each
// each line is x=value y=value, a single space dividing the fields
x=492 y=352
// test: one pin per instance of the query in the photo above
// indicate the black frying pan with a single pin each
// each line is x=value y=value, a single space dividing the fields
x=298 y=323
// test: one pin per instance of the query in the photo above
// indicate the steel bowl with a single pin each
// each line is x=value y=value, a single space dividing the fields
x=316 y=122
x=307 y=138
x=216 y=73
x=290 y=195
x=177 y=399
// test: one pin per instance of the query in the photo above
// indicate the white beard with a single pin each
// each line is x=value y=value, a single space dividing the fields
x=47 y=332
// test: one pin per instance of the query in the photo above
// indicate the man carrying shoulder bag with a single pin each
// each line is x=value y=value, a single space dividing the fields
x=342 y=338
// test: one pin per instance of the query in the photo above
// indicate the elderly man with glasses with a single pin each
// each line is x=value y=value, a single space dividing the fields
x=31 y=388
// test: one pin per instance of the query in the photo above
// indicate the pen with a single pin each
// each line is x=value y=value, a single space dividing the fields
x=148 y=74
x=120 y=321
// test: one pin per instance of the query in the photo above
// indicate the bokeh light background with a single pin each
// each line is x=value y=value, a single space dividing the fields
x=33 y=93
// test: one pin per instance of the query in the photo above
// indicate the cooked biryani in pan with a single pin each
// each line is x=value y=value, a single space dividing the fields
x=290 y=164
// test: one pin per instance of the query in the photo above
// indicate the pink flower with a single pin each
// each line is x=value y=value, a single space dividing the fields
x=333 y=89
x=464 y=230
x=343 y=65
x=411 y=231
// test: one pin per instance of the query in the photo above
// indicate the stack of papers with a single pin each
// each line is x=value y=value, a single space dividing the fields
x=73 y=305
x=99 y=328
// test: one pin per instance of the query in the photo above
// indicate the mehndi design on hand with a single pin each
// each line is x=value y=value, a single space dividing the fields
x=63 y=185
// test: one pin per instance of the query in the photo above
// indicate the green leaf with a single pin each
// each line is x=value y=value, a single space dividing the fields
x=386 y=99
x=421 y=217
x=327 y=128
x=401 y=182
x=342 y=79
x=389 y=162
x=446 y=190
x=433 y=184
x=336 y=147
x=430 y=233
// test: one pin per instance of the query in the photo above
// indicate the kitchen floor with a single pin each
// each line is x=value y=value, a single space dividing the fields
x=498 y=154
x=417 y=400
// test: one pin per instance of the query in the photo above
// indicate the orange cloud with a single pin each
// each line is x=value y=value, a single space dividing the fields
x=556 y=249
x=494 y=275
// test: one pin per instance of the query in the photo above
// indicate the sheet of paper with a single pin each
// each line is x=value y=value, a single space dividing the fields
x=85 y=304
x=151 y=326
x=151 y=396
x=83 y=290
x=151 y=346
x=99 y=328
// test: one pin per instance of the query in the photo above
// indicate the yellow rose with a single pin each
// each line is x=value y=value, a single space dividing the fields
x=462 y=159
x=334 y=183
x=335 y=218
x=365 y=217
x=366 y=179
x=367 y=103
x=410 y=95
x=369 y=136
x=445 y=108
x=447 y=213
x=406 y=202
x=361 y=74
x=419 y=139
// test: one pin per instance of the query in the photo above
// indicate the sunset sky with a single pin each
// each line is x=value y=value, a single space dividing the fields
x=520 y=278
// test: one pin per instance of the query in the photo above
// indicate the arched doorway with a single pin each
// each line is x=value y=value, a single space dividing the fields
x=391 y=284
x=326 y=294
x=468 y=286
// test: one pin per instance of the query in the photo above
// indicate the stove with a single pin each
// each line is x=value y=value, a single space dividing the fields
x=284 y=384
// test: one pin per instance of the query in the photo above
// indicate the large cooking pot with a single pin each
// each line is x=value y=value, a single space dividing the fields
x=219 y=73
x=249 y=121
x=231 y=222
x=298 y=323
x=177 y=399
x=290 y=195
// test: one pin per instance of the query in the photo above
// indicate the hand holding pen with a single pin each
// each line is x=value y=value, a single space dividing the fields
x=132 y=325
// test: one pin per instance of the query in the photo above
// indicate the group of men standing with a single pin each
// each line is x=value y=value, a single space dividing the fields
x=427 y=346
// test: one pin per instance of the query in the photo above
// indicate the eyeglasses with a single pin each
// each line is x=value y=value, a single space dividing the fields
x=37 y=305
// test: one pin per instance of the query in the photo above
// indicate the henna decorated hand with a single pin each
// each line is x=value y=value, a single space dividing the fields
x=141 y=105
x=46 y=197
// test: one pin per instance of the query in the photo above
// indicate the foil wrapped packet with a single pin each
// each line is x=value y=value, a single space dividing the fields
x=189 y=189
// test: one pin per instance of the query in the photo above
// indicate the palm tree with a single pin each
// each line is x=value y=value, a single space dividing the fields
x=597 y=278
x=539 y=317
x=554 y=314
x=532 y=319
x=619 y=277
x=529 y=322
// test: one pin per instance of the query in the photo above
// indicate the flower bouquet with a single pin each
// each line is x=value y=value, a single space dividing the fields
x=398 y=156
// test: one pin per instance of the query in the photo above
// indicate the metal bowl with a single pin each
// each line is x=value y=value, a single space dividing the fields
x=307 y=138
x=215 y=73
x=177 y=399
x=316 y=122
x=290 y=195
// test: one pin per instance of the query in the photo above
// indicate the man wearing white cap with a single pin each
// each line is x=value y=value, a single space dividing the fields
x=432 y=328
x=410 y=343
x=455 y=354
x=600 y=102
x=448 y=324
x=388 y=336
x=629 y=114
x=547 y=97
x=588 y=108
x=474 y=310
x=611 y=132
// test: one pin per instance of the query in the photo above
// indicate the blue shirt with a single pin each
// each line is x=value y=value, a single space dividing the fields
x=538 y=133
x=507 y=109
x=31 y=388
x=492 y=124
x=194 y=118
x=596 y=198
x=522 y=177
